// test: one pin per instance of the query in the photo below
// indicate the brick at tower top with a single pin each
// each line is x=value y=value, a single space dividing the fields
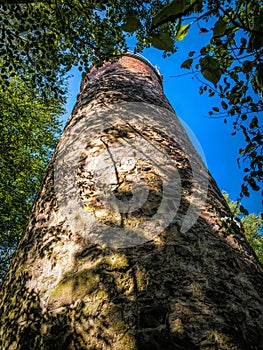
x=132 y=62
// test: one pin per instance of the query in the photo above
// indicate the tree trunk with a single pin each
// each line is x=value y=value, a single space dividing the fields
x=129 y=245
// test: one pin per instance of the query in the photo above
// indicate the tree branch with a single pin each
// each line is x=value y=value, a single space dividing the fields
x=173 y=18
x=240 y=24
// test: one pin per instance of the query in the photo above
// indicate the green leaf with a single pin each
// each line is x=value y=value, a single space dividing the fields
x=187 y=64
x=210 y=69
x=169 y=11
x=214 y=77
x=244 y=190
x=253 y=184
x=219 y=28
x=131 y=23
x=182 y=32
x=224 y=105
x=243 y=41
x=163 y=41
x=216 y=109
x=204 y=50
x=254 y=123
x=247 y=66
x=259 y=75
x=243 y=210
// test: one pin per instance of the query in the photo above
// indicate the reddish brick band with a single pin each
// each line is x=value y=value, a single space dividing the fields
x=132 y=62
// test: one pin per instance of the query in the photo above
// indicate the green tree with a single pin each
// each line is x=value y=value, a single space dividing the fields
x=45 y=39
x=29 y=128
x=252 y=225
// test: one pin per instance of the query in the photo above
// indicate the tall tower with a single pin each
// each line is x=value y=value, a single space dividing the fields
x=128 y=245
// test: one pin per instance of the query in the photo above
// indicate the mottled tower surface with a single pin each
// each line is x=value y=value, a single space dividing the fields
x=128 y=245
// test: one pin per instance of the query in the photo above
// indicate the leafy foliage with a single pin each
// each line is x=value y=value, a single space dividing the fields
x=44 y=40
x=29 y=129
x=252 y=224
x=232 y=61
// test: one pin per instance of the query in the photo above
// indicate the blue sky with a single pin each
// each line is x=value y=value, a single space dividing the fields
x=219 y=146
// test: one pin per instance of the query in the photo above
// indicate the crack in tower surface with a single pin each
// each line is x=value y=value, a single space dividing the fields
x=125 y=247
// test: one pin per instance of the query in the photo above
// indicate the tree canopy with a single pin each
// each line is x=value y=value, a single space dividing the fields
x=252 y=225
x=45 y=39
x=29 y=129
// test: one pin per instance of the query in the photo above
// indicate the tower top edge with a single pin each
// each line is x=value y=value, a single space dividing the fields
x=146 y=61
x=128 y=61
